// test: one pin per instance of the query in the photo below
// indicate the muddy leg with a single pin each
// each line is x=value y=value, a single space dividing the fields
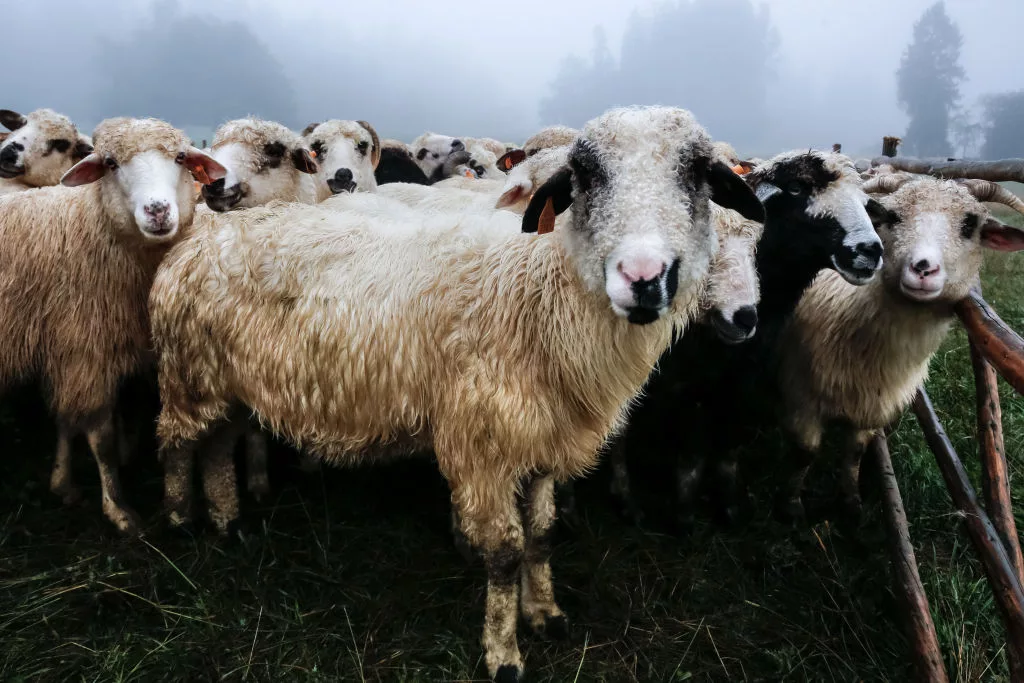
x=537 y=599
x=103 y=442
x=620 y=485
x=849 y=480
x=495 y=527
x=178 y=491
x=217 y=470
x=256 y=461
x=61 y=481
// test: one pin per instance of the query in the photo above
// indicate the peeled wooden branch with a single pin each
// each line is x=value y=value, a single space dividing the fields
x=996 y=171
x=995 y=484
x=999 y=344
x=1006 y=588
x=920 y=628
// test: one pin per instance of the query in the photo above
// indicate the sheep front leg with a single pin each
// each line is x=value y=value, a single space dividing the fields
x=537 y=601
x=257 y=480
x=61 y=481
x=494 y=526
x=178 y=465
x=849 y=481
x=103 y=441
x=807 y=433
x=217 y=469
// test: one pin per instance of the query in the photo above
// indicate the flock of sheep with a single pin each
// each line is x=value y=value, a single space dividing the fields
x=513 y=311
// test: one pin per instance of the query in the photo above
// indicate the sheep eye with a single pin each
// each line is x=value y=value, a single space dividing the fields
x=969 y=225
x=111 y=164
x=363 y=146
x=60 y=146
x=180 y=159
x=319 y=148
x=795 y=187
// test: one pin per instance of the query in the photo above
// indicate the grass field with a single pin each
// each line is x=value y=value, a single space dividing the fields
x=351 y=575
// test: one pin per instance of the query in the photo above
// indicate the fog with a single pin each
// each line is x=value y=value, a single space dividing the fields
x=771 y=76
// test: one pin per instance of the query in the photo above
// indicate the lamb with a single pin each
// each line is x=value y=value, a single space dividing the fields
x=78 y=263
x=347 y=153
x=857 y=355
x=40 y=148
x=397 y=165
x=432 y=149
x=512 y=356
x=818 y=217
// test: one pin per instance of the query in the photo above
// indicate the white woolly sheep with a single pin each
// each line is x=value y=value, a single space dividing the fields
x=857 y=355
x=513 y=356
x=40 y=148
x=432 y=149
x=347 y=153
x=493 y=146
x=78 y=264
x=552 y=136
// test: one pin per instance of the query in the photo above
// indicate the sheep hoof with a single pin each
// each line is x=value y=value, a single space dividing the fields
x=508 y=673
x=556 y=627
x=127 y=522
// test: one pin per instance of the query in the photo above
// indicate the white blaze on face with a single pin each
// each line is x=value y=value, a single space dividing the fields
x=922 y=270
x=733 y=279
x=151 y=183
x=846 y=203
x=237 y=159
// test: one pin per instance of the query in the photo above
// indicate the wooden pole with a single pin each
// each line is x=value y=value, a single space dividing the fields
x=996 y=171
x=889 y=145
x=1006 y=588
x=924 y=644
x=994 y=339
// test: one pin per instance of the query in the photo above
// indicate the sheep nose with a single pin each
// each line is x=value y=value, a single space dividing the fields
x=215 y=188
x=924 y=268
x=870 y=250
x=745 y=318
x=343 y=176
x=641 y=270
x=458 y=146
x=157 y=212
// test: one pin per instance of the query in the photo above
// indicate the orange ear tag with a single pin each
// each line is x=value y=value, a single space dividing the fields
x=739 y=169
x=546 y=223
x=312 y=154
x=199 y=173
x=508 y=163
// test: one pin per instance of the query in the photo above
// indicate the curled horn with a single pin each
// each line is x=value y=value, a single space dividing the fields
x=375 y=154
x=987 y=191
x=884 y=184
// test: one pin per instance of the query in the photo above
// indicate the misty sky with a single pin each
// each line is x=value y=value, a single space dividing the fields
x=481 y=68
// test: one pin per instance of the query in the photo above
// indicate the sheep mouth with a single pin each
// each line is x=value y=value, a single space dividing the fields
x=223 y=202
x=856 y=276
x=8 y=171
x=728 y=332
x=337 y=187
x=922 y=294
x=643 y=315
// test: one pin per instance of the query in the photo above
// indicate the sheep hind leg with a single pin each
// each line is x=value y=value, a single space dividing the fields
x=103 y=441
x=537 y=602
x=61 y=480
x=462 y=543
x=217 y=470
x=495 y=527
x=789 y=505
x=257 y=480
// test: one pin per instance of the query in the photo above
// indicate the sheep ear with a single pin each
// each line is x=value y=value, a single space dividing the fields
x=1000 y=236
x=729 y=191
x=309 y=129
x=765 y=191
x=510 y=159
x=88 y=170
x=3 y=136
x=303 y=161
x=375 y=151
x=202 y=166
x=12 y=120
x=512 y=195
x=550 y=199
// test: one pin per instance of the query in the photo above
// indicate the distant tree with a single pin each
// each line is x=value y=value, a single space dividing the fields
x=710 y=56
x=192 y=71
x=928 y=82
x=1004 y=126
